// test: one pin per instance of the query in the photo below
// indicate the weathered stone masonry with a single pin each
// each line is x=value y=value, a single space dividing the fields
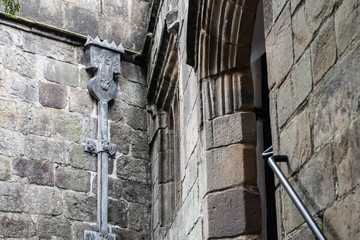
x=47 y=182
x=203 y=67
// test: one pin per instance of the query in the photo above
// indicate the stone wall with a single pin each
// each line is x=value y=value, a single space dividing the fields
x=47 y=181
x=217 y=197
x=123 y=21
x=313 y=55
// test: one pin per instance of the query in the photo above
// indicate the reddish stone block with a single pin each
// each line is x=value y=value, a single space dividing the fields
x=232 y=212
x=52 y=95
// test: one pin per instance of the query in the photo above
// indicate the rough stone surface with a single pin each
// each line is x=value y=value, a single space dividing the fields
x=232 y=212
x=302 y=33
x=42 y=148
x=11 y=197
x=77 y=229
x=52 y=95
x=294 y=91
x=76 y=180
x=20 y=62
x=138 y=217
x=80 y=101
x=50 y=227
x=340 y=220
x=137 y=192
x=279 y=46
x=229 y=129
x=5 y=172
x=16 y=225
x=62 y=73
x=346 y=28
x=80 y=206
x=231 y=166
x=332 y=104
x=78 y=159
x=42 y=200
x=38 y=172
x=117 y=213
x=133 y=169
x=323 y=47
x=295 y=142
x=346 y=149
x=317 y=11
x=120 y=135
x=68 y=126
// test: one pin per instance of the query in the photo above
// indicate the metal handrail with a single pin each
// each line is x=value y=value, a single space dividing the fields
x=268 y=154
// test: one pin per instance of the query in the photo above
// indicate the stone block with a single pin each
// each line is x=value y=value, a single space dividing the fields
x=42 y=11
x=277 y=6
x=80 y=206
x=336 y=102
x=117 y=110
x=230 y=129
x=302 y=33
x=11 y=197
x=117 y=213
x=22 y=88
x=133 y=169
x=38 y=172
x=77 y=229
x=13 y=115
x=11 y=36
x=37 y=44
x=120 y=134
x=68 y=126
x=346 y=28
x=341 y=219
x=77 y=19
x=84 y=75
x=303 y=233
x=80 y=101
x=42 y=200
x=39 y=121
x=232 y=212
x=52 y=95
x=139 y=217
x=20 y=62
x=323 y=47
x=12 y=143
x=123 y=234
x=295 y=142
x=317 y=11
x=316 y=181
x=346 y=150
x=53 y=228
x=268 y=16
x=294 y=4
x=42 y=148
x=62 y=73
x=295 y=90
x=231 y=166
x=136 y=118
x=291 y=217
x=81 y=160
x=139 y=144
x=91 y=5
x=76 y=180
x=132 y=93
x=5 y=173
x=116 y=187
x=279 y=48
x=133 y=72
x=13 y=225
x=137 y=192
